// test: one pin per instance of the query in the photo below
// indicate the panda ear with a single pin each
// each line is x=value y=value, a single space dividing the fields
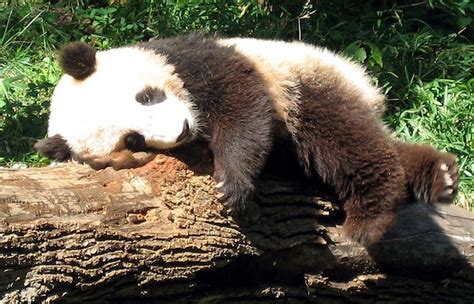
x=55 y=148
x=78 y=60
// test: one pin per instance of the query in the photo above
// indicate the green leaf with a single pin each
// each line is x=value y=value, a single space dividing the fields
x=355 y=51
x=376 y=54
x=244 y=10
x=464 y=21
x=361 y=54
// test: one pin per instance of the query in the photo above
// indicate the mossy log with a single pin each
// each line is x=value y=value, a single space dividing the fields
x=159 y=234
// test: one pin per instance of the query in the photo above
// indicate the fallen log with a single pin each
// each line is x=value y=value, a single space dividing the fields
x=158 y=233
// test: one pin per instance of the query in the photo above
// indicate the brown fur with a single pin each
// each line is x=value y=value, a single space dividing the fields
x=341 y=140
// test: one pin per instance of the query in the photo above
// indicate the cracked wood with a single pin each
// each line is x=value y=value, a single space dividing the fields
x=69 y=233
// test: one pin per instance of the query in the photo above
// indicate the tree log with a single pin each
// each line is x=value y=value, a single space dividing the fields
x=159 y=234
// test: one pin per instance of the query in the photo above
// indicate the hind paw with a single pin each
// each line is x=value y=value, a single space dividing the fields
x=432 y=175
x=445 y=180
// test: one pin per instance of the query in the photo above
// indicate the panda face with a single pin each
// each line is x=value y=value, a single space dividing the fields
x=130 y=98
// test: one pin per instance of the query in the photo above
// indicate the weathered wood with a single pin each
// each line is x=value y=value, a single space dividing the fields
x=69 y=233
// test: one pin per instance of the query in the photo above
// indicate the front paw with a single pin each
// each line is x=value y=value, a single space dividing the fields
x=233 y=196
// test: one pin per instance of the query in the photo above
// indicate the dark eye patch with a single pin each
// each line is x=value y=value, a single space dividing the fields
x=150 y=96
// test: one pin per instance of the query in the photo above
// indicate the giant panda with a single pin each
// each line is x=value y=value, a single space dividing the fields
x=237 y=97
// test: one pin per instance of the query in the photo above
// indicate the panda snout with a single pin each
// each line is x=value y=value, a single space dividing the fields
x=135 y=142
x=185 y=131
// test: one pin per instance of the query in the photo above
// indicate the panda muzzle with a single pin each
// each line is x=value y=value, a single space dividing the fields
x=135 y=141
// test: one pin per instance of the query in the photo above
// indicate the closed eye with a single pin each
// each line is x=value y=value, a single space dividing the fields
x=150 y=96
x=147 y=98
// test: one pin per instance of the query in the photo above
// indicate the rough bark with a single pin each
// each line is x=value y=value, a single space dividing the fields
x=159 y=233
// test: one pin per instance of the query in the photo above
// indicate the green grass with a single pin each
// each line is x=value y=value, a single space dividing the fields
x=419 y=53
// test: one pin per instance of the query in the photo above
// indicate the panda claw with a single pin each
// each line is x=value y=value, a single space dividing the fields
x=233 y=201
x=448 y=192
x=234 y=207
x=448 y=180
x=443 y=167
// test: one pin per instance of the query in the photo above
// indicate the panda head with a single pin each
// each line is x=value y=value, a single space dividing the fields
x=126 y=98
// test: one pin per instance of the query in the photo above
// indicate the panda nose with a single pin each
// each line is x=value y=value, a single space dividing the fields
x=185 y=131
x=135 y=142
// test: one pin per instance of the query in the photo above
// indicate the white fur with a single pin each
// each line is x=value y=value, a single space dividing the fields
x=291 y=60
x=94 y=114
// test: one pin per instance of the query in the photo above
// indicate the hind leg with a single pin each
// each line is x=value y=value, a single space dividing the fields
x=432 y=176
x=371 y=192
x=348 y=148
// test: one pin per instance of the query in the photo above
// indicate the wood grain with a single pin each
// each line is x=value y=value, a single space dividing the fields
x=159 y=233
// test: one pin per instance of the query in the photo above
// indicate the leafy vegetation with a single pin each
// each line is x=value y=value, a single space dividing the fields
x=421 y=53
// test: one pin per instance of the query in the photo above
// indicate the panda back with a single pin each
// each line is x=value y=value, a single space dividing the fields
x=286 y=66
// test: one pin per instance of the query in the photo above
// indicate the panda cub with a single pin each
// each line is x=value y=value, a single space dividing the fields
x=239 y=96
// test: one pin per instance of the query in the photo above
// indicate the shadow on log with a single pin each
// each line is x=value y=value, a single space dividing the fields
x=159 y=234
